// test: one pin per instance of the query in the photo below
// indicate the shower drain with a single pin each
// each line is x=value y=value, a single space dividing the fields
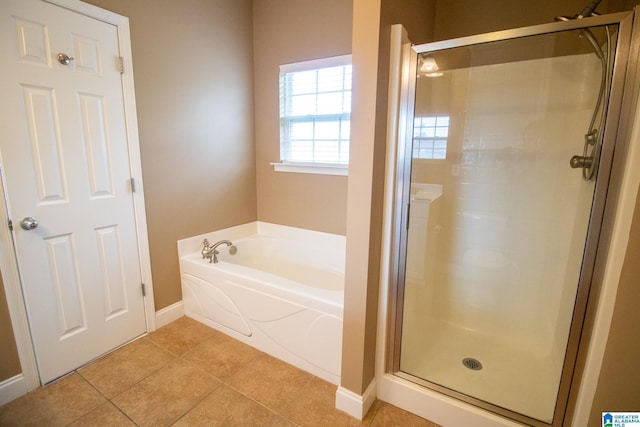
x=471 y=363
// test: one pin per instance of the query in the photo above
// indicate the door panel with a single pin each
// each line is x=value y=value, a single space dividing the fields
x=45 y=147
x=63 y=268
x=96 y=147
x=65 y=156
x=33 y=43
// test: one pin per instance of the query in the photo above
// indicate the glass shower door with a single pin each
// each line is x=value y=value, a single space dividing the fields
x=506 y=135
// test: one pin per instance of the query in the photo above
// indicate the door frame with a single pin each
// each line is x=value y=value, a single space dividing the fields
x=29 y=379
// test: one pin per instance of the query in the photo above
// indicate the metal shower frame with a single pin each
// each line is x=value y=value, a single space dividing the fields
x=617 y=129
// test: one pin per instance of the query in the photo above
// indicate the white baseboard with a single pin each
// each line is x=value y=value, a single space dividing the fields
x=353 y=404
x=169 y=314
x=12 y=388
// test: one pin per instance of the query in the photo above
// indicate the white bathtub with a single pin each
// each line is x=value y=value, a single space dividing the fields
x=282 y=292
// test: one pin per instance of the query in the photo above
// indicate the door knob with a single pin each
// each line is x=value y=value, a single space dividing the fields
x=28 y=223
x=64 y=59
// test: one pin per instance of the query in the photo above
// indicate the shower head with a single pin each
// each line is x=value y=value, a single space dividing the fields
x=586 y=33
x=593 y=138
x=588 y=11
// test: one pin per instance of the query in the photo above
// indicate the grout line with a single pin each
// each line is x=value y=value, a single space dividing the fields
x=140 y=380
x=273 y=411
x=197 y=403
x=298 y=394
x=124 y=413
x=278 y=414
x=222 y=383
x=90 y=385
x=107 y=399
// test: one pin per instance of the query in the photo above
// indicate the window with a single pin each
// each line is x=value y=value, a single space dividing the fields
x=430 y=137
x=315 y=110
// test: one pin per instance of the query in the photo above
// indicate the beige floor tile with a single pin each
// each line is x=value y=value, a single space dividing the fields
x=226 y=407
x=315 y=406
x=377 y=404
x=181 y=335
x=270 y=381
x=57 y=404
x=166 y=395
x=221 y=355
x=117 y=371
x=280 y=421
x=150 y=384
x=392 y=416
x=105 y=415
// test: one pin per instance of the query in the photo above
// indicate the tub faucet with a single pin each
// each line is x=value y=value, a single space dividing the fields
x=206 y=249
x=211 y=252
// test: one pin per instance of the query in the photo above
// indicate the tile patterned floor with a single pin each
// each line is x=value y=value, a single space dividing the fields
x=186 y=374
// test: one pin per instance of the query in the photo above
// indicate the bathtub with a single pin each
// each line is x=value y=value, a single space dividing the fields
x=282 y=292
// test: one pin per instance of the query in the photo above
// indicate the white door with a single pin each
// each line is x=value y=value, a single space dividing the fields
x=64 y=154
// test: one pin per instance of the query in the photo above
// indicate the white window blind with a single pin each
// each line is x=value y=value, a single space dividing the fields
x=430 y=135
x=315 y=109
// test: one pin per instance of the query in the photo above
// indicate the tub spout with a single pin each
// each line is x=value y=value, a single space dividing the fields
x=211 y=252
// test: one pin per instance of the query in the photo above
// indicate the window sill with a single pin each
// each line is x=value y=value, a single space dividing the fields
x=313 y=168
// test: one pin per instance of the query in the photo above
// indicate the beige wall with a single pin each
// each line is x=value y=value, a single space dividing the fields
x=359 y=309
x=287 y=31
x=372 y=22
x=9 y=362
x=458 y=18
x=194 y=91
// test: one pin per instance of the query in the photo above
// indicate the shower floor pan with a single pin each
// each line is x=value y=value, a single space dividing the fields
x=509 y=377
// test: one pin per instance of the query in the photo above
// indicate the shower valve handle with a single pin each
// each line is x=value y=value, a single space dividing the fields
x=578 y=162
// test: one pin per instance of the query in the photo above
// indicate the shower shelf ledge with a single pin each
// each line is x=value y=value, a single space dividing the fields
x=425 y=192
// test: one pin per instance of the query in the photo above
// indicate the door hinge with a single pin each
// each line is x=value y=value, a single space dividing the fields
x=121 y=61
x=133 y=185
x=10 y=225
x=144 y=291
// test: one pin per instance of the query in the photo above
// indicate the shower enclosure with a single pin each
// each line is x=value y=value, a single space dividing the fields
x=502 y=187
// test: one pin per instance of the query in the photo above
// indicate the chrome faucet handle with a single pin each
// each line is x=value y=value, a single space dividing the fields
x=206 y=249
